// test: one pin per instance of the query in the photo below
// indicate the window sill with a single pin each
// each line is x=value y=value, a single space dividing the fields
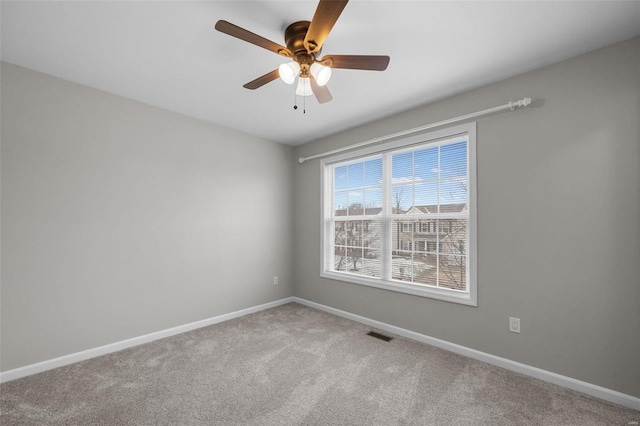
x=464 y=298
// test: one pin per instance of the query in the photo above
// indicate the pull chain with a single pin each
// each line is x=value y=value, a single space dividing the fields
x=304 y=101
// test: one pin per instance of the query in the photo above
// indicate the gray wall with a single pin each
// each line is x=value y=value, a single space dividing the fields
x=558 y=233
x=120 y=219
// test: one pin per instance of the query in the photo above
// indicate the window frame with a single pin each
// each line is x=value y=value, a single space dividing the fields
x=468 y=297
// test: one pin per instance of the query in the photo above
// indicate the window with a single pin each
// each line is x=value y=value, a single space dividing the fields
x=401 y=216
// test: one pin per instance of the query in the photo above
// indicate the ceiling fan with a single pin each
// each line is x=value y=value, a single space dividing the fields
x=304 y=42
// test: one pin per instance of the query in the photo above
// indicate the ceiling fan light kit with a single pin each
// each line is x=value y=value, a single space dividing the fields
x=289 y=71
x=304 y=87
x=321 y=73
x=304 y=41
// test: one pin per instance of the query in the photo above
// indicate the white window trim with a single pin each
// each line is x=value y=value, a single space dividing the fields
x=469 y=297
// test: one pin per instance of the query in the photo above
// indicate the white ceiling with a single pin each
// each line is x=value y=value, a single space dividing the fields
x=168 y=54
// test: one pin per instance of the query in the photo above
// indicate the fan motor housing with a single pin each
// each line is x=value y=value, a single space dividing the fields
x=294 y=36
x=294 y=39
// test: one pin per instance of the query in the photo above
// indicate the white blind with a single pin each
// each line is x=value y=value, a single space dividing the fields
x=403 y=215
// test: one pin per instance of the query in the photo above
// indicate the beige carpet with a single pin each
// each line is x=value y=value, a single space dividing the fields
x=293 y=365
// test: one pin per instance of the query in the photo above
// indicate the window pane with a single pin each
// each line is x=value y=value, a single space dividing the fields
x=453 y=236
x=355 y=175
x=426 y=197
x=402 y=168
x=373 y=172
x=353 y=233
x=355 y=199
x=453 y=160
x=453 y=272
x=357 y=249
x=354 y=260
x=372 y=263
x=371 y=236
x=426 y=269
x=401 y=198
x=358 y=188
x=346 y=258
x=400 y=233
x=402 y=182
x=453 y=191
x=373 y=201
x=340 y=202
x=340 y=257
x=401 y=267
x=426 y=164
x=340 y=234
x=340 y=178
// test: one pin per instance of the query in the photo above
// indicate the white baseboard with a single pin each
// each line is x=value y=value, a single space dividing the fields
x=564 y=381
x=547 y=376
x=50 y=364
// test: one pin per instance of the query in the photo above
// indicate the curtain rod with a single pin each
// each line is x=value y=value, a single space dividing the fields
x=511 y=106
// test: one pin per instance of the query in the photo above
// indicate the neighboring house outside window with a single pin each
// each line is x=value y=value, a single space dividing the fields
x=403 y=218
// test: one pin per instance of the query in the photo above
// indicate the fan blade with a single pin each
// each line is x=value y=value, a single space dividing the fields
x=262 y=80
x=322 y=92
x=327 y=13
x=248 y=36
x=357 y=62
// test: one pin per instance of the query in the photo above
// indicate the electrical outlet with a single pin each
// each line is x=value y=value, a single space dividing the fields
x=514 y=324
x=275 y=280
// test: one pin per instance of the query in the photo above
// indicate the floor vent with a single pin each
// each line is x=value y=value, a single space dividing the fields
x=379 y=336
